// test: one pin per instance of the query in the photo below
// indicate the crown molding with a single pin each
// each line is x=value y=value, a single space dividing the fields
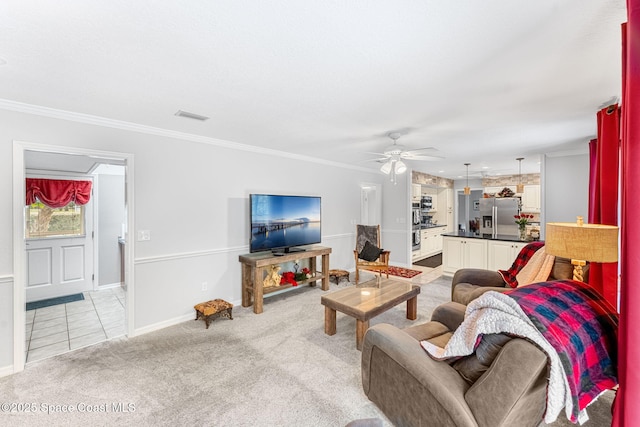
x=37 y=110
x=572 y=152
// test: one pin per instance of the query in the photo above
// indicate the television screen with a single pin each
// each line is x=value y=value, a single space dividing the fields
x=282 y=222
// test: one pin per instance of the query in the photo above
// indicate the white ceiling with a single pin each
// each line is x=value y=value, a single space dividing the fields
x=482 y=81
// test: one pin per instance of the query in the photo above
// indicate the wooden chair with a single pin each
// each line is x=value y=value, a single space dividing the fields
x=371 y=234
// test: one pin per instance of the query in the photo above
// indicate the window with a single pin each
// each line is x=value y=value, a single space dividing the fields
x=44 y=221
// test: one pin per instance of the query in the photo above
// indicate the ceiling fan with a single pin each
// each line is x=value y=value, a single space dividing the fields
x=393 y=156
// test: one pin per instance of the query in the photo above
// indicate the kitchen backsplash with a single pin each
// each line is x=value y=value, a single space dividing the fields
x=506 y=180
x=432 y=180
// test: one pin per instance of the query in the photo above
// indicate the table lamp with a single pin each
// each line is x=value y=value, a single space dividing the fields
x=582 y=242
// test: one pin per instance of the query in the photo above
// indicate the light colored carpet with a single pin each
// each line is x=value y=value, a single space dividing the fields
x=273 y=369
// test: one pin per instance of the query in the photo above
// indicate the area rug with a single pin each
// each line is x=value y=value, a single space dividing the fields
x=403 y=272
x=431 y=262
x=54 y=301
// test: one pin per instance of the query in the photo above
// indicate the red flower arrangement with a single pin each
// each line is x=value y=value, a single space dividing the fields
x=289 y=277
x=306 y=272
x=523 y=219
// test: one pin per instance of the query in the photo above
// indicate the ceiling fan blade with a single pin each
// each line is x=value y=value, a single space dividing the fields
x=408 y=156
x=422 y=150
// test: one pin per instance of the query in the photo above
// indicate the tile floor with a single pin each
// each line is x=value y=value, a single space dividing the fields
x=428 y=274
x=60 y=328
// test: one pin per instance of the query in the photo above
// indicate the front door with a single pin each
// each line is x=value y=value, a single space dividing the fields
x=59 y=250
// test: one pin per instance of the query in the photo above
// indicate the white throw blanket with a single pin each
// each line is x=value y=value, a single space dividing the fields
x=494 y=313
x=537 y=268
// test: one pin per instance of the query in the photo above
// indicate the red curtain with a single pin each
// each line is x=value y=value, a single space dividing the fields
x=57 y=193
x=603 y=194
x=626 y=408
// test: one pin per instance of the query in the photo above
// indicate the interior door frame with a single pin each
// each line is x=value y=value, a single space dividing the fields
x=19 y=247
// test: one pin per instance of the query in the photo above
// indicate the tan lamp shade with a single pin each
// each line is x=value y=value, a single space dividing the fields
x=589 y=242
x=582 y=242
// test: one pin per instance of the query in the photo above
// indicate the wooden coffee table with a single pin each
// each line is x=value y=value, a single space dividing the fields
x=368 y=300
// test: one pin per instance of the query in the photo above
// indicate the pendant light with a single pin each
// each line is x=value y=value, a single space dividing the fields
x=520 y=186
x=467 y=190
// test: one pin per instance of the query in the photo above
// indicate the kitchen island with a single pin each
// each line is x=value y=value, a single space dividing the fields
x=469 y=250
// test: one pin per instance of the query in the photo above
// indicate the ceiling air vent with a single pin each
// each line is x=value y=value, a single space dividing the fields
x=189 y=115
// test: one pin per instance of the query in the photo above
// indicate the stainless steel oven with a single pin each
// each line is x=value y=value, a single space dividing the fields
x=416 y=216
x=415 y=240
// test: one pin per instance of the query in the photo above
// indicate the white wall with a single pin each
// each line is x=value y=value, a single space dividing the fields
x=111 y=216
x=565 y=188
x=396 y=219
x=193 y=197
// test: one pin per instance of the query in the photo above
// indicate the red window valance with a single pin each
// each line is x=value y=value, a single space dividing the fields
x=57 y=193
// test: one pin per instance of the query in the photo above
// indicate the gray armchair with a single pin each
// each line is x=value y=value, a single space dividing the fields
x=469 y=283
x=412 y=389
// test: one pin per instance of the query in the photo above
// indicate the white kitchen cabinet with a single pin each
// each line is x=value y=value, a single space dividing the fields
x=449 y=195
x=461 y=252
x=416 y=192
x=431 y=241
x=450 y=222
x=449 y=219
x=531 y=198
x=426 y=246
x=500 y=254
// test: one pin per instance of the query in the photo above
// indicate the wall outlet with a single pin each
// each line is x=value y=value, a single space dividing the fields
x=204 y=286
x=144 y=235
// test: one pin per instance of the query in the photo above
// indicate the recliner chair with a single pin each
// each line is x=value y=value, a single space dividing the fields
x=412 y=389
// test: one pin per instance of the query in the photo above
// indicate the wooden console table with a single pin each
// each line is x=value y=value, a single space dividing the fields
x=254 y=266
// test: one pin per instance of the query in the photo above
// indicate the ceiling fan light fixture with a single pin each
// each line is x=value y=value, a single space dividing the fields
x=400 y=167
x=386 y=167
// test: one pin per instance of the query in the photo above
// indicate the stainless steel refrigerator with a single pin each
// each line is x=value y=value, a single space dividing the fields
x=496 y=215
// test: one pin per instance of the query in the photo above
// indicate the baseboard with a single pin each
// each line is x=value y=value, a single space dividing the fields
x=171 y=322
x=6 y=371
x=109 y=286
x=164 y=324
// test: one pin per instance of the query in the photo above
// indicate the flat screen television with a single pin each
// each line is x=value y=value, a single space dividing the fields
x=281 y=223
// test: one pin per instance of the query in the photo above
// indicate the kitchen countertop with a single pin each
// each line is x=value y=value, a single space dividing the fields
x=469 y=235
x=422 y=227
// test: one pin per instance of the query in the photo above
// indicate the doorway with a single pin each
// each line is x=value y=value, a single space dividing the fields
x=468 y=210
x=370 y=204
x=65 y=161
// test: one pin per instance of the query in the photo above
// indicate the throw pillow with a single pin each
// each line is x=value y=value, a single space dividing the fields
x=473 y=366
x=370 y=252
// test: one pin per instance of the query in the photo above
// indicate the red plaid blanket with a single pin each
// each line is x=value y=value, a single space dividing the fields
x=523 y=257
x=582 y=327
